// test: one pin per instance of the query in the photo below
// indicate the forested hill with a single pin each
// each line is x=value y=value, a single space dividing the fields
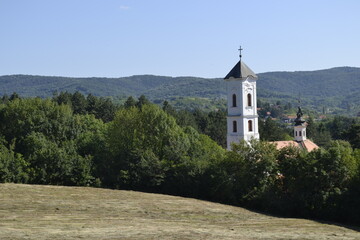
x=335 y=88
x=323 y=83
x=330 y=88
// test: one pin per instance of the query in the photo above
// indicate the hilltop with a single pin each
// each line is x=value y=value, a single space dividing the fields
x=56 y=212
x=334 y=89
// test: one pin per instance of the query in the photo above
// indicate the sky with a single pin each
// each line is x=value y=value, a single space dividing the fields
x=118 y=38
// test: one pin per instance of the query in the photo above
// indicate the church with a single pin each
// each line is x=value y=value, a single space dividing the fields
x=242 y=118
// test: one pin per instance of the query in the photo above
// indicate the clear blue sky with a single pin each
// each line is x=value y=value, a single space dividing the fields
x=116 y=38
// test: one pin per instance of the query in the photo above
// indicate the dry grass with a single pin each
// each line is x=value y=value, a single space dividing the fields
x=53 y=212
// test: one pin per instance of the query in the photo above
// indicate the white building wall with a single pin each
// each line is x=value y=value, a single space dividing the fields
x=249 y=87
x=233 y=87
x=297 y=136
x=242 y=113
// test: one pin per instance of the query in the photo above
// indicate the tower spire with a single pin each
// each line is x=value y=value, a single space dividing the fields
x=299 y=121
x=240 y=49
x=299 y=127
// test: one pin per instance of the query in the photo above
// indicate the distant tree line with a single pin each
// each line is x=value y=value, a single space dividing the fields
x=276 y=110
x=70 y=140
x=335 y=128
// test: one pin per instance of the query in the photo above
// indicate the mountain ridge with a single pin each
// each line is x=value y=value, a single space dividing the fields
x=335 y=88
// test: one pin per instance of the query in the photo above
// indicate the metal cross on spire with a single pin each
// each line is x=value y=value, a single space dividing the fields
x=240 y=49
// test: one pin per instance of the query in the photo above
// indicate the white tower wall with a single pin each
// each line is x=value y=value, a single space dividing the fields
x=300 y=133
x=244 y=112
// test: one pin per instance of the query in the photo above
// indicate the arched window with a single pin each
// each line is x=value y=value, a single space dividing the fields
x=250 y=126
x=295 y=133
x=234 y=100
x=234 y=126
x=249 y=100
x=300 y=133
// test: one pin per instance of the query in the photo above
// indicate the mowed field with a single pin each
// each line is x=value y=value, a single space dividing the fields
x=56 y=212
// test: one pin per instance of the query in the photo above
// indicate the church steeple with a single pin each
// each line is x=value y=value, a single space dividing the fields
x=299 y=121
x=240 y=70
x=299 y=127
x=240 y=49
x=242 y=119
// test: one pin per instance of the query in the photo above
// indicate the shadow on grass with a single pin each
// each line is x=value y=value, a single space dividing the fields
x=278 y=215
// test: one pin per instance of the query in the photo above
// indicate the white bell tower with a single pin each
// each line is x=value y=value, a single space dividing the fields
x=299 y=127
x=242 y=119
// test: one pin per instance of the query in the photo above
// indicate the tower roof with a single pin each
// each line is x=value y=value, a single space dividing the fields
x=242 y=71
x=307 y=144
x=299 y=121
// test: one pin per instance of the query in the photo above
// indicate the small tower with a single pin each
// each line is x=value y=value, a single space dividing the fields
x=300 y=140
x=242 y=119
x=299 y=127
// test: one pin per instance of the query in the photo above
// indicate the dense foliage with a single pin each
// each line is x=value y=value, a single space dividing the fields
x=76 y=140
x=336 y=128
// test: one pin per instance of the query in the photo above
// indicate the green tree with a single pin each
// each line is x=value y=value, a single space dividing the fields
x=14 y=96
x=295 y=182
x=251 y=172
x=185 y=118
x=168 y=108
x=106 y=110
x=21 y=117
x=91 y=143
x=5 y=99
x=201 y=119
x=63 y=98
x=312 y=184
x=216 y=128
x=349 y=208
x=142 y=101
x=78 y=103
x=353 y=135
x=13 y=167
x=311 y=128
x=192 y=175
x=339 y=126
x=333 y=171
x=271 y=131
x=58 y=147
x=92 y=104
x=101 y=108
x=322 y=136
x=130 y=102
x=54 y=164
x=140 y=141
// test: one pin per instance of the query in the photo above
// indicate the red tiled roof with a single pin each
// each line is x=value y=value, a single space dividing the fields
x=307 y=144
x=310 y=145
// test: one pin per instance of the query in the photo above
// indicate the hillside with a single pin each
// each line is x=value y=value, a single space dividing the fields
x=331 y=88
x=336 y=89
x=54 y=212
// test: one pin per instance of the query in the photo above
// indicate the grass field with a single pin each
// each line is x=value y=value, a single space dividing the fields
x=55 y=212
